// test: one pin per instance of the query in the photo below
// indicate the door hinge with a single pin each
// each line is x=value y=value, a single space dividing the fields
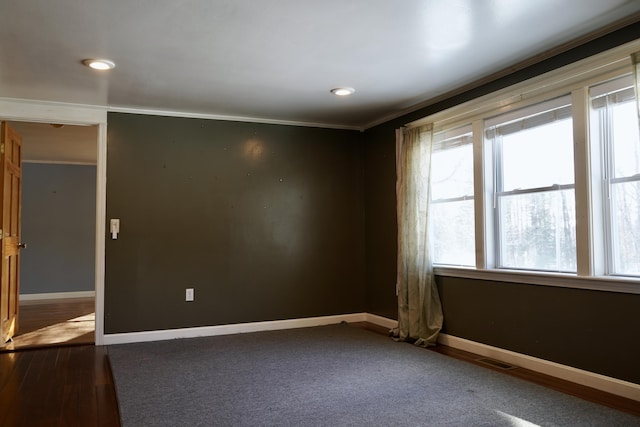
x=2 y=148
x=1 y=235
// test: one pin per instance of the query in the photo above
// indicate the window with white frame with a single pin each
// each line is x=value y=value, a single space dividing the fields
x=545 y=177
x=452 y=206
x=615 y=135
x=534 y=191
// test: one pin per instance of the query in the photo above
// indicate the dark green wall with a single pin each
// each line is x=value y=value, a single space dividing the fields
x=380 y=223
x=580 y=324
x=591 y=330
x=266 y=222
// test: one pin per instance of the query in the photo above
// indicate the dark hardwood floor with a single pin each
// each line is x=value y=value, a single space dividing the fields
x=73 y=386
x=57 y=386
x=54 y=322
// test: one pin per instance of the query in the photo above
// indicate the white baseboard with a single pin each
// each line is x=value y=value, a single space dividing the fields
x=381 y=321
x=590 y=379
x=57 y=295
x=238 y=328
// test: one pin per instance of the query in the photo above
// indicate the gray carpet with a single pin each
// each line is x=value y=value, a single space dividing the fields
x=335 y=375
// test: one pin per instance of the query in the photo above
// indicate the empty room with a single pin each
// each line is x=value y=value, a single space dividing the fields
x=363 y=213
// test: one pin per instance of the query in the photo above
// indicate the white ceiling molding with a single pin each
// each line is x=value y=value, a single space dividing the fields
x=205 y=116
x=51 y=112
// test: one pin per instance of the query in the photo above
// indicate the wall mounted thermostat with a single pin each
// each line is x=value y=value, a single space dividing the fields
x=115 y=228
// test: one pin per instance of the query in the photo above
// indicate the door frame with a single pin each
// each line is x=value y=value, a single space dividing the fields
x=83 y=115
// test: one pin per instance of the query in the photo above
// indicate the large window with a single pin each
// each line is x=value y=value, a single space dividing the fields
x=614 y=130
x=452 y=216
x=540 y=182
x=534 y=187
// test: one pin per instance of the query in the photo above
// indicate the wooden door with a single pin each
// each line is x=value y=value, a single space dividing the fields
x=10 y=194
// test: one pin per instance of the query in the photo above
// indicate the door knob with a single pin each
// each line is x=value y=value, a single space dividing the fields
x=22 y=245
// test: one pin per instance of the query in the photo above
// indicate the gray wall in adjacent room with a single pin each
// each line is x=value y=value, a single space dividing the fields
x=58 y=225
x=265 y=222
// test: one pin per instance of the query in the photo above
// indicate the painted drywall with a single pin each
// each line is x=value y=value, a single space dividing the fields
x=590 y=330
x=58 y=225
x=381 y=223
x=265 y=222
x=566 y=312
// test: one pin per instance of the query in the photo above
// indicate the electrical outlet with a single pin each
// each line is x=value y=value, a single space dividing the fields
x=189 y=295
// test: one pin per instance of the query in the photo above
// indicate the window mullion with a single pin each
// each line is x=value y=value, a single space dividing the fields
x=483 y=196
x=608 y=169
x=498 y=167
x=587 y=261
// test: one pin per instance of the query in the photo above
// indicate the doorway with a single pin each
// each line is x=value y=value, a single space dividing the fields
x=73 y=114
x=58 y=271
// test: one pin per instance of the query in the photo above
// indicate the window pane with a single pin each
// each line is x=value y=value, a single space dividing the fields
x=533 y=150
x=452 y=172
x=625 y=200
x=615 y=131
x=453 y=233
x=538 y=231
x=626 y=143
x=538 y=157
x=452 y=215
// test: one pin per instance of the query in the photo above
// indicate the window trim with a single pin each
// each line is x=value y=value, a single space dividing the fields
x=595 y=69
x=618 y=284
x=574 y=79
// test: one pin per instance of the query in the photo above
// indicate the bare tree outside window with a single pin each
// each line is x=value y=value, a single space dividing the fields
x=535 y=217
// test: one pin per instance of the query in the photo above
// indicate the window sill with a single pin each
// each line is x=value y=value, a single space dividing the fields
x=595 y=283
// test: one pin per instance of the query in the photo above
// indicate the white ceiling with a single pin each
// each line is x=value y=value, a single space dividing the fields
x=277 y=60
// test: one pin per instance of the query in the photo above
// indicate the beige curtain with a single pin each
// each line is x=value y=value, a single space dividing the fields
x=419 y=310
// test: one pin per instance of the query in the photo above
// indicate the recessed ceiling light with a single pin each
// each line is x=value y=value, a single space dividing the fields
x=99 y=64
x=343 y=91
